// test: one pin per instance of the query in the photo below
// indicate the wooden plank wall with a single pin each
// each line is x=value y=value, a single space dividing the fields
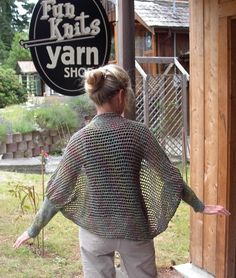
x=213 y=132
x=204 y=126
x=223 y=180
x=197 y=112
x=231 y=238
x=226 y=227
x=211 y=129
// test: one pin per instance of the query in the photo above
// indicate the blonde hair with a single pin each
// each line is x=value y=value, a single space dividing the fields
x=103 y=83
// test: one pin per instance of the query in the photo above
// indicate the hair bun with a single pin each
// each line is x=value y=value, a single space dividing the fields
x=94 y=80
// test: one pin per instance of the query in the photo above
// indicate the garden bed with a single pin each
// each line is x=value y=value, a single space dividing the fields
x=30 y=144
x=26 y=130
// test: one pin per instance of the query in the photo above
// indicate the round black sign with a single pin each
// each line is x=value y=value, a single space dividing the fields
x=66 y=38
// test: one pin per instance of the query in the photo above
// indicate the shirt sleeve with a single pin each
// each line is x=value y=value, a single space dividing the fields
x=170 y=174
x=61 y=187
x=191 y=199
x=43 y=216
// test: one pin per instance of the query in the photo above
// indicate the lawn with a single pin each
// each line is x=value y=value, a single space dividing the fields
x=61 y=258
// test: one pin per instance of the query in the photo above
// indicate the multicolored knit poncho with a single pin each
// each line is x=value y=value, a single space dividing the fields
x=116 y=181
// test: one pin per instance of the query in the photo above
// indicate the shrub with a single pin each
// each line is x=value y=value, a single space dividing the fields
x=3 y=132
x=56 y=116
x=83 y=105
x=63 y=117
x=11 y=91
x=5 y=126
x=18 y=119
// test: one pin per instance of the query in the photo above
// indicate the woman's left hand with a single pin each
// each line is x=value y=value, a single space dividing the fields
x=21 y=239
x=216 y=209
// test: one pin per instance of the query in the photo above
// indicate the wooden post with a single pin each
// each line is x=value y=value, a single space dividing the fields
x=146 y=101
x=154 y=52
x=226 y=227
x=211 y=129
x=185 y=129
x=126 y=45
x=232 y=191
x=197 y=107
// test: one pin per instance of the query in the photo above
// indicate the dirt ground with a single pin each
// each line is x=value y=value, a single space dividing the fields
x=168 y=273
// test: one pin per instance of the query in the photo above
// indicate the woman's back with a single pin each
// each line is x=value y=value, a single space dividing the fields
x=109 y=198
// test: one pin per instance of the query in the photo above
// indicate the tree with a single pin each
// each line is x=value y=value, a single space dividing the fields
x=23 y=24
x=11 y=91
x=6 y=23
x=17 y=52
x=12 y=21
x=3 y=51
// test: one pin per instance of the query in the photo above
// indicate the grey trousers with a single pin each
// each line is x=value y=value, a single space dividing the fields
x=138 y=257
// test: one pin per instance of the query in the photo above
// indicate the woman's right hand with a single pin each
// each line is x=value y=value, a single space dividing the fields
x=216 y=209
x=21 y=239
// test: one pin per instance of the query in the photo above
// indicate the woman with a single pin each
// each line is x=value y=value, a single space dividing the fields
x=116 y=183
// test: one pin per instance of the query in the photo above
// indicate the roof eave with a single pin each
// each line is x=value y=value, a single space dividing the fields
x=140 y=20
x=177 y=28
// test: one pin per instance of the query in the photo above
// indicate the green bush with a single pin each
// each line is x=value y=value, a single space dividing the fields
x=56 y=116
x=11 y=91
x=83 y=105
x=18 y=119
x=5 y=127
x=64 y=117
x=3 y=132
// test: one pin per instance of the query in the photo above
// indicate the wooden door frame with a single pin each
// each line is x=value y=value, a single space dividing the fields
x=225 y=241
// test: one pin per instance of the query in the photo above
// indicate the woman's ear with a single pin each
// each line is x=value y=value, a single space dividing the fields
x=121 y=96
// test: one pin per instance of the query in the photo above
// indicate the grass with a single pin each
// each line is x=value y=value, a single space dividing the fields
x=62 y=257
x=172 y=246
x=61 y=238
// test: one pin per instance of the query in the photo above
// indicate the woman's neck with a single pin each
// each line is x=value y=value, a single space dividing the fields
x=107 y=108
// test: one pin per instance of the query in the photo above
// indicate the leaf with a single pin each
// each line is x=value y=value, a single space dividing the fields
x=22 y=203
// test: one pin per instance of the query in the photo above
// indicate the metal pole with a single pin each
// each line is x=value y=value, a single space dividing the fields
x=126 y=45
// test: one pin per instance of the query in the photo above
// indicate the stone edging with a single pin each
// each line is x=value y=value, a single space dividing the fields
x=29 y=144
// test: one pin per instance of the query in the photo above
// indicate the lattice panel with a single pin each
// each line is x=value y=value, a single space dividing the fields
x=139 y=99
x=164 y=106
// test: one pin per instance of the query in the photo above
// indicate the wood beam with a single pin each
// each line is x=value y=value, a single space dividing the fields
x=197 y=116
x=126 y=45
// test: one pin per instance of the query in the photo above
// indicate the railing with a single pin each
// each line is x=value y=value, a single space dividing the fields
x=163 y=60
x=161 y=103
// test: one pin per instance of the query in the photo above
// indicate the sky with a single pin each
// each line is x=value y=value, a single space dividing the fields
x=21 y=10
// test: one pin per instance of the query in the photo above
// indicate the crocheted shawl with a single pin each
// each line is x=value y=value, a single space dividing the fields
x=116 y=181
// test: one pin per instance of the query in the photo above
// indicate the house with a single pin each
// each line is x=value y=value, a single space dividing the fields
x=161 y=29
x=29 y=77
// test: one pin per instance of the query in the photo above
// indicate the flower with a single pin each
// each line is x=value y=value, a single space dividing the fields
x=44 y=156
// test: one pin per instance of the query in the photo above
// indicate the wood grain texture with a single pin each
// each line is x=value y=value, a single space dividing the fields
x=213 y=132
x=223 y=151
x=227 y=8
x=197 y=108
x=232 y=152
x=211 y=129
